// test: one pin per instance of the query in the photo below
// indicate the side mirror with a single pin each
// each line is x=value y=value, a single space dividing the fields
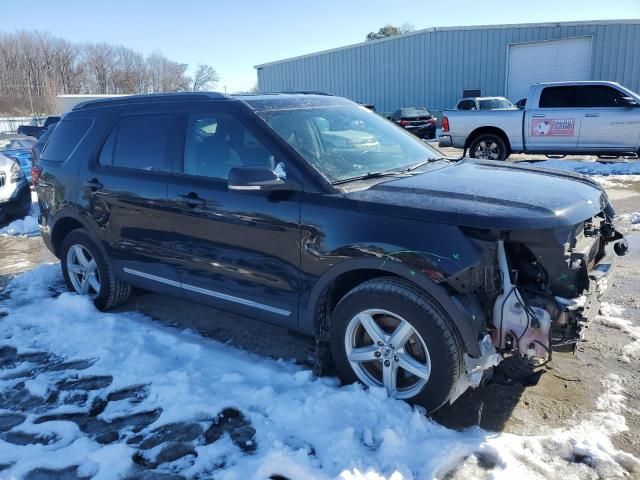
x=629 y=102
x=256 y=178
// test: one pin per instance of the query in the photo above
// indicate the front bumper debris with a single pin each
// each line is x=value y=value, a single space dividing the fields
x=474 y=368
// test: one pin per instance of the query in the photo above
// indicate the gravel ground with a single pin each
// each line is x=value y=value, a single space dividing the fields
x=564 y=393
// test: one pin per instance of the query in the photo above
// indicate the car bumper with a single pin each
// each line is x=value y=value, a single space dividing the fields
x=445 y=141
x=422 y=131
x=11 y=197
x=587 y=306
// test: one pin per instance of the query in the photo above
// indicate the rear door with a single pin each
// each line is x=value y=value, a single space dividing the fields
x=553 y=122
x=608 y=123
x=126 y=189
x=237 y=250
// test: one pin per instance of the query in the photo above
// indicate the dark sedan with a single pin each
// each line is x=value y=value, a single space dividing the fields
x=416 y=120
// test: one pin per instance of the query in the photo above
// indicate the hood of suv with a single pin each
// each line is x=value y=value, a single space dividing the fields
x=487 y=195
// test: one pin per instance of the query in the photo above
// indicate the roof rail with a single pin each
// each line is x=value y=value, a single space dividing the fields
x=306 y=92
x=149 y=98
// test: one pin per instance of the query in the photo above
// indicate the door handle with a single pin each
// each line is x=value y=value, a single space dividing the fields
x=192 y=200
x=591 y=115
x=538 y=115
x=93 y=184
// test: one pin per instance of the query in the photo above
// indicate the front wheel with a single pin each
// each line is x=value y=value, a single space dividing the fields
x=87 y=272
x=488 y=147
x=389 y=334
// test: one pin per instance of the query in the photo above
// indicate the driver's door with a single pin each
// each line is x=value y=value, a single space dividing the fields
x=237 y=250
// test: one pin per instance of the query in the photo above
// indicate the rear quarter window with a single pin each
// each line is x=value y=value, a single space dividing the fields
x=65 y=138
x=143 y=142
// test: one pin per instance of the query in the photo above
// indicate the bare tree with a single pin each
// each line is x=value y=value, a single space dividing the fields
x=205 y=78
x=35 y=67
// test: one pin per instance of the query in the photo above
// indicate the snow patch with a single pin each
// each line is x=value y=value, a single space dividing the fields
x=633 y=218
x=616 y=181
x=611 y=316
x=305 y=426
x=26 y=226
x=591 y=168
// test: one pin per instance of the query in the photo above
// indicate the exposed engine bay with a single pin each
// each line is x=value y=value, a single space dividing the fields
x=538 y=288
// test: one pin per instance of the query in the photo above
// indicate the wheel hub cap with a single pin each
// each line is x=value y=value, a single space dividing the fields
x=83 y=271
x=385 y=350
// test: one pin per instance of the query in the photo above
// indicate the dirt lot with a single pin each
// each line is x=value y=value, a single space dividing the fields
x=564 y=393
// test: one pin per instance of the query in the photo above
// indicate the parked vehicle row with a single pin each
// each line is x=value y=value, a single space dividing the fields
x=36 y=130
x=565 y=118
x=417 y=270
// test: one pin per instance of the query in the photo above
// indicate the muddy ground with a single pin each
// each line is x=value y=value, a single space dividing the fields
x=564 y=392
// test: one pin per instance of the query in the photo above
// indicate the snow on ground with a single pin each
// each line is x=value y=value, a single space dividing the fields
x=592 y=168
x=115 y=395
x=25 y=226
x=612 y=316
x=633 y=218
x=616 y=181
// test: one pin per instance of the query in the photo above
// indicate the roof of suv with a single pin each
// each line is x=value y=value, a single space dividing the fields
x=189 y=96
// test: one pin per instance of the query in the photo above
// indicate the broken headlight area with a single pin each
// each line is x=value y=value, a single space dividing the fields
x=538 y=288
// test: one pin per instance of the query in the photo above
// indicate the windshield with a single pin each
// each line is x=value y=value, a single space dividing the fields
x=16 y=144
x=345 y=141
x=495 y=103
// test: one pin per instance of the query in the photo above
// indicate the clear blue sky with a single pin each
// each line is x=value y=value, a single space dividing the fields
x=235 y=35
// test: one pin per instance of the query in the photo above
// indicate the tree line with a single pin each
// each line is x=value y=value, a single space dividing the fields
x=36 y=66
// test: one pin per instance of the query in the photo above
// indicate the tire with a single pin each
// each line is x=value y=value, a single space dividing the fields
x=111 y=291
x=389 y=302
x=489 y=146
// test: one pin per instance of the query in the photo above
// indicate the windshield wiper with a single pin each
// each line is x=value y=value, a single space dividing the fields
x=368 y=175
x=385 y=173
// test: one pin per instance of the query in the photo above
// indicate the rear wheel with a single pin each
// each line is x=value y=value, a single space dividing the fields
x=488 y=146
x=87 y=272
x=387 y=333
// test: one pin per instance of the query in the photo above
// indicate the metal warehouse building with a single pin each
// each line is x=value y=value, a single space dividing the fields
x=433 y=67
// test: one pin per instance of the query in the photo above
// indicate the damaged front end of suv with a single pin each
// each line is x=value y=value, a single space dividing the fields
x=538 y=288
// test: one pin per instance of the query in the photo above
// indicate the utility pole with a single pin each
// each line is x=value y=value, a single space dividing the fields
x=31 y=97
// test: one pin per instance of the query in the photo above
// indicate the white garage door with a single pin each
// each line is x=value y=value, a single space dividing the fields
x=551 y=61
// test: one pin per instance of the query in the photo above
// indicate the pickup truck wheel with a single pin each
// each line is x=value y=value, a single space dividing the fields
x=87 y=272
x=387 y=333
x=488 y=147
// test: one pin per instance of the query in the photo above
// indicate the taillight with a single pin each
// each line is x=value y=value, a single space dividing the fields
x=404 y=123
x=445 y=124
x=35 y=174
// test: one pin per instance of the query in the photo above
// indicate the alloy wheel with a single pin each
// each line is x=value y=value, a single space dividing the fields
x=487 y=150
x=385 y=350
x=83 y=271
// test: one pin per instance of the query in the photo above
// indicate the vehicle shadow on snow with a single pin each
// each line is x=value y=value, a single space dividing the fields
x=489 y=407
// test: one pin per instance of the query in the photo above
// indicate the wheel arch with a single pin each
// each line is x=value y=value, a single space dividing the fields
x=315 y=315
x=64 y=223
x=488 y=130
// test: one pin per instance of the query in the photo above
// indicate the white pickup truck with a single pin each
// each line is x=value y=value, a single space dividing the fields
x=565 y=118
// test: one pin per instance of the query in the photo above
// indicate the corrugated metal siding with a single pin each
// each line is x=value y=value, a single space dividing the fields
x=432 y=68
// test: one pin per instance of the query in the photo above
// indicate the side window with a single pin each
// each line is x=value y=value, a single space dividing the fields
x=140 y=142
x=216 y=143
x=65 y=139
x=559 y=97
x=467 y=105
x=592 y=96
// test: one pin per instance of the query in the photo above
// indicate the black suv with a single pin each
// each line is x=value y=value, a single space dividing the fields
x=421 y=273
